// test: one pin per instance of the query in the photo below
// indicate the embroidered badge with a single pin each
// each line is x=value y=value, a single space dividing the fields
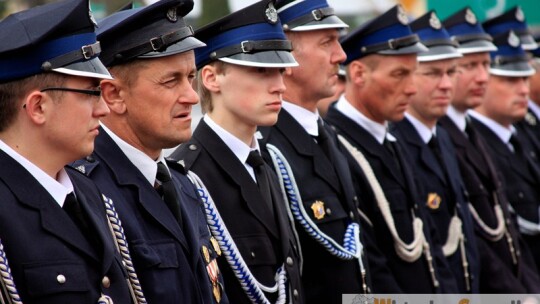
x=513 y=39
x=271 y=14
x=433 y=201
x=172 y=15
x=402 y=16
x=434 y=22
x=318 y=210
x=470 y=17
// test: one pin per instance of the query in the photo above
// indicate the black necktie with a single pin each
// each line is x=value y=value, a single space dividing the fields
x=435 y=147
x=257 y=163
x=324 y=139
x=73 y=208
x=389 y=145
x=165 y=188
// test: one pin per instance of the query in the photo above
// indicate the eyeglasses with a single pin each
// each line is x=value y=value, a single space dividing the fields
x=87 y=92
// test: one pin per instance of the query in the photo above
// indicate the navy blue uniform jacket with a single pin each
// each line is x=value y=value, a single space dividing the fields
x=325 y=276
x=167 y=257
x=265 y=243
x=395 y=274
x=432 y=179
x=42 y=242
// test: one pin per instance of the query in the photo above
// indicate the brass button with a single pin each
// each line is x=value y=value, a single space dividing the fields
x=290 y=261
x=106 y=282
x=61 y=278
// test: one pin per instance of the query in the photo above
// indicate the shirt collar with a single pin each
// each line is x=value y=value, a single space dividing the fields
x=501 y=131
x=459 y=118
x=306 y=118
x=534 y=108
x=238 y=147
x=424 y=132
x=58 y=188
x=377 y=130
x=146 y=165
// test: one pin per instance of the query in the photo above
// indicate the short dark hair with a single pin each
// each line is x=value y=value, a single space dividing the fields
x=12 y=94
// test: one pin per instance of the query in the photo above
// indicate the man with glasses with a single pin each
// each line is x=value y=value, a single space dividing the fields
x=53 y=225
x=432 y=154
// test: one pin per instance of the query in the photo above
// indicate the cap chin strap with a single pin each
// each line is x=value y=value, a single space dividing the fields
x=250 y=47
x=86 y=52
x=392 y=44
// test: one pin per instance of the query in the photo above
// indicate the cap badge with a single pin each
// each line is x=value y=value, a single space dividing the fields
x=402 y=16
x=318 y=210
x=513 y=39
x=434 y=22
x=271 y=14
x=519 y=15
x=470 y=17
x=433 y=201
x=171 y=15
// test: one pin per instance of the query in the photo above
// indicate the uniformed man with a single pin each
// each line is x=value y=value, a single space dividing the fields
x=381 y=62
x=149 y=51
x=500 y=245
x=324 y=207
x=53 y=224
x=432 y=152
x=531 y=123
x=240 y=82
x=506 y=103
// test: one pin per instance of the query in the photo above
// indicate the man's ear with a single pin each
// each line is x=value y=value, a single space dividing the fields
x=113 y=92
x=36 y=105
x=210 y=79
x=358 y=72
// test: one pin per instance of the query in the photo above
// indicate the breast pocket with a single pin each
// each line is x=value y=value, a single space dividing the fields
x=49 y=279
x=156 y=254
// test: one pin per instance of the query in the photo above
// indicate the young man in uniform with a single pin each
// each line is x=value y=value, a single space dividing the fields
x=381 y=62
x=53 y=225
x=432 y=153
x=149 y=52
x=325 y=193
x=241 y=84
x=501 y=249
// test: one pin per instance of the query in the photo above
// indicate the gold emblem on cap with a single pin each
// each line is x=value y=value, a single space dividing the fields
x=470 y=17
x=318 y=210
x=215 y=244
x=433 y=201
x=206 y=254
x=520 y=16
x=402 y=16
x=530 y=119
x=172 y=15
x=513 y=39
x=434 y=22
x=271 y=14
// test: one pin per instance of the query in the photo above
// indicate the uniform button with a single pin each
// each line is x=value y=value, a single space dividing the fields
x=290 y=261
x=295 y=294
x=193 y=147
x=253 y=254
x=351 y=215
x=481 y=187
x=355 y=198
x=61 y=278
x=520 y=194
x=90 y=159
x=106 y=282
x=328 y=211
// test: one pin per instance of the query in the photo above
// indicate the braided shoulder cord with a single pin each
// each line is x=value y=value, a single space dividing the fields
x=117 y=232
x=408 y=252
x=8 y=285
x=352 y=247
x=253 y=288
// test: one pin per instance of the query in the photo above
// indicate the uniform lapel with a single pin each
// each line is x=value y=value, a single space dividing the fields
x=236 y=171
x=53 y=218
x=127 y=175
x=304 y=145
